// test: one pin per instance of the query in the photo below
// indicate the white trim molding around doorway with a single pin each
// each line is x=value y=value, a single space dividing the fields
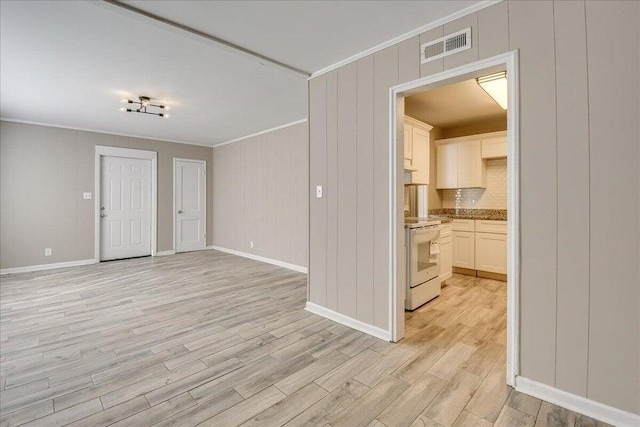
x=102 y=150
x=509 y=62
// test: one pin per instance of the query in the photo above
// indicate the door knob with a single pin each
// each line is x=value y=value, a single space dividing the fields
x=102 y=215
x=179 y=211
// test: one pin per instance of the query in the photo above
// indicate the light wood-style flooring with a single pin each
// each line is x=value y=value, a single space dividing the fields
x=208 y=338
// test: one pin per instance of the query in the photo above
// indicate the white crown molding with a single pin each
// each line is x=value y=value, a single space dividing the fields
x=348 y=321
x=582 y=405
x=282 y=264
x=452 y=17
x=42 y=267
x=262 y=132
x=128 y=135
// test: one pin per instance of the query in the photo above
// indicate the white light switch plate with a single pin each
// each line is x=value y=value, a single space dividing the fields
x=319 y=191
x=86 y=196
x=47 y=252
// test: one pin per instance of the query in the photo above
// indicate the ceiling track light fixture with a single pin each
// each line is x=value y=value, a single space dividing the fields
x=144 y=106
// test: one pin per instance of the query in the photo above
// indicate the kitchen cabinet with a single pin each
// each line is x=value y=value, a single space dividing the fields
x=480 y=245
x=462 y=161
x=408 y=143
x=416 y=151
x=460 y=165
x=491 y=252
x=463 y=253
x=472 y=169
x=447 y=164
x=494 y=147
x=446 y=252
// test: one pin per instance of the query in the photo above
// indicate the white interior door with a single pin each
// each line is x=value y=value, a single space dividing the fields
x=190 y=203
x=125 y=208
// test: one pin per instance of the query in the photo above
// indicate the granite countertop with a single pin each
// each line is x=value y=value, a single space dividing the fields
x=486 y=214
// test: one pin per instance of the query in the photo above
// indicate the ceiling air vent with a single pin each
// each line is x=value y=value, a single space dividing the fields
x=445 y=46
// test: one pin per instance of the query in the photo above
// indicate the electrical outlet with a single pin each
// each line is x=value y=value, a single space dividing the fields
x=319 y=191
x=251 y=244
x=86 y=196
x=47 y=251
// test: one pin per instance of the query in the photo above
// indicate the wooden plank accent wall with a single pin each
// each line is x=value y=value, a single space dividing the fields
x=614 y=312
x=260 y=195
x=573 y=197
x=580 y=189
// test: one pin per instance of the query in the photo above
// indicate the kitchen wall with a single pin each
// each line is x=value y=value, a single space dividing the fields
x=492 y=197
x=579 y=175
x=260 y=195
x=44 y=171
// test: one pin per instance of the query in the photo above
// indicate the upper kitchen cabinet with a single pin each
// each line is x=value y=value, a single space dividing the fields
x=494 y=146
x=460 y=164
x=408 y=144
x=416 y=151
x=462 y=161
x=447 y=164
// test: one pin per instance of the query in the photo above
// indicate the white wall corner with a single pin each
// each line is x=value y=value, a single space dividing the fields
x=582 y=405
x=383 y=334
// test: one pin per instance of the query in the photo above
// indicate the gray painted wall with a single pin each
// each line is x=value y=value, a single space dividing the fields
x=580 y=188
x=43 y=173
x=260 y=195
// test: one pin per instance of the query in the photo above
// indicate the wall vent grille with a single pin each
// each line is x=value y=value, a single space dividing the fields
x=445 y=46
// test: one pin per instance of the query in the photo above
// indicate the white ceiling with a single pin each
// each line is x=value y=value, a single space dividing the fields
x=69 y=63
x=454 y=105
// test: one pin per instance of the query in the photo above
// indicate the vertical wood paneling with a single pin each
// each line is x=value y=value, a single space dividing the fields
x=573 y=197
x=347 y=190
x=492 y=36
x=364 y=263
x=318 y=176
x=538 y=232
x=409 y=60
x=385 y=76
x=465 y=56
x=332 y=190
x=614 y=334
x=436 y=66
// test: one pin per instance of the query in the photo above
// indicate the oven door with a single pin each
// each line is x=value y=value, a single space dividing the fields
x=423 y=255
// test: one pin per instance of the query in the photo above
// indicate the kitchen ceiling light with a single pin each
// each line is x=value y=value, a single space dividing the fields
x=496 y=87
x=143 y=107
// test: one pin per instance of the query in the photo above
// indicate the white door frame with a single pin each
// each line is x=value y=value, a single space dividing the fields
x=509 y=61
x=204 y=164
x=103 y=150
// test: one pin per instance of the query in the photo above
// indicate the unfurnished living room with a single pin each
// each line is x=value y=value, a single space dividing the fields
x=320 y=213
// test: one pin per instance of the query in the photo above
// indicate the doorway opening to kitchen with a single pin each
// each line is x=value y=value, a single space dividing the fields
x=453 y=179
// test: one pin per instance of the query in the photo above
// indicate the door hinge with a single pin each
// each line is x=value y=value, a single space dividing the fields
x=204 y=173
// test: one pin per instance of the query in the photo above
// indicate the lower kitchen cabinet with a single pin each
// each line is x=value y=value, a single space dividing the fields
x=446 y=252
x=464 y=249
x=491 y=252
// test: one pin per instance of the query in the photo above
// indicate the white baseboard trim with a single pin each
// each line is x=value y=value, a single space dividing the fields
x=165 y=253
x=348 y=321
x=41 y=267
x=582 y=405
x=283 y=264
